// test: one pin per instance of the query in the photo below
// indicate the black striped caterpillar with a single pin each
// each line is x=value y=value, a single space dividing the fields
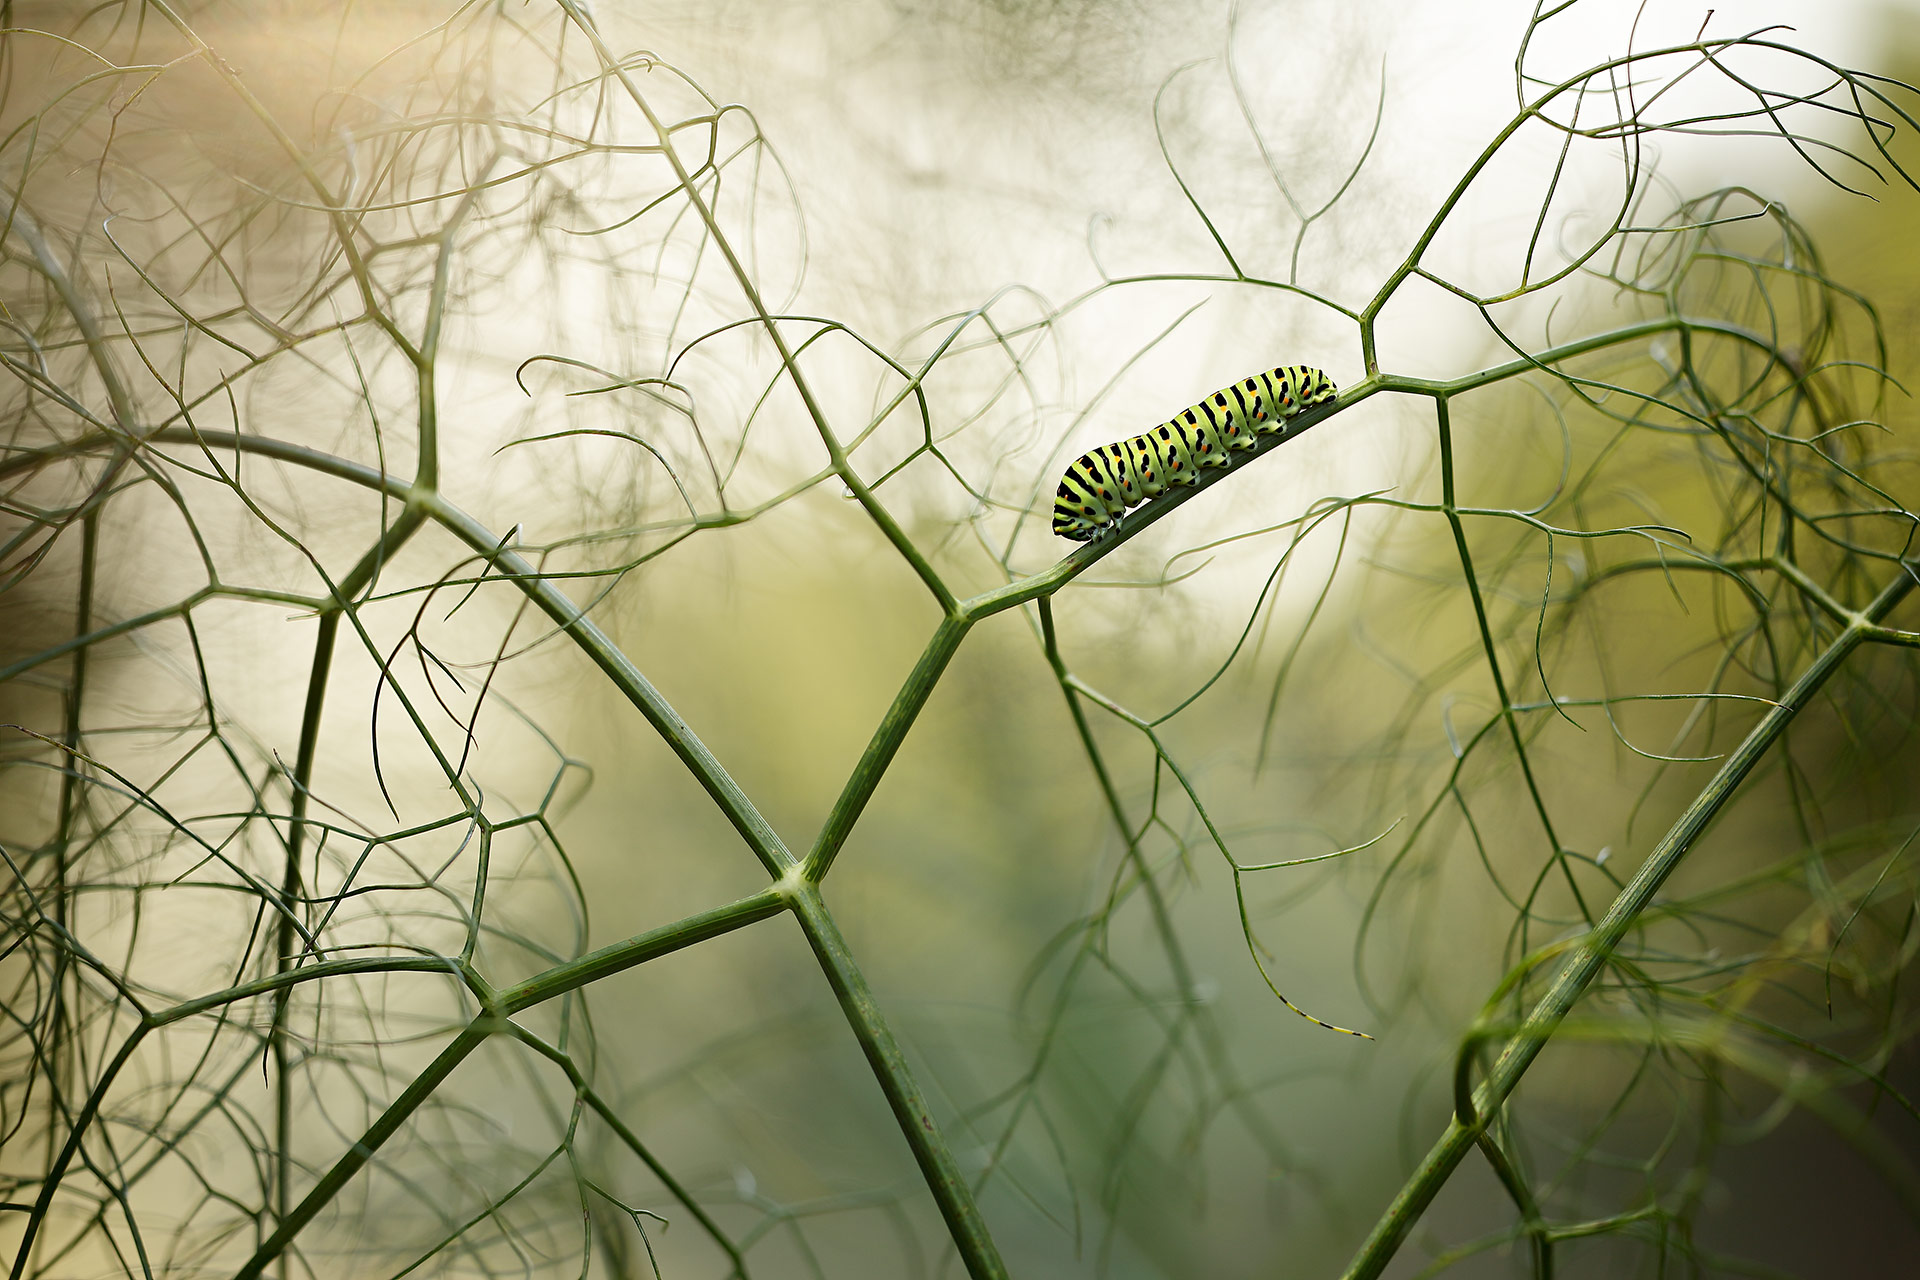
x=1097 y=490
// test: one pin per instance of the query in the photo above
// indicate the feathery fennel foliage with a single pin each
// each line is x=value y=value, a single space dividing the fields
x=287 y=847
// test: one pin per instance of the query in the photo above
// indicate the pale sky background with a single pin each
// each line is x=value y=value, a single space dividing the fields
x=943 y=153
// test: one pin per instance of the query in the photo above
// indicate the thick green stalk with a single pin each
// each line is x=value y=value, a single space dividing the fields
x=36 y=1217
x=740 y=811
x=618 y=667
x=422 y=1088
x=930 y=1150
x=1592 y=955
x=499 y=1006
x=873 y=763
x=654 y=943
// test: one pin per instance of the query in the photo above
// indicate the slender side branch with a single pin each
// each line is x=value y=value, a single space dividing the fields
x=876 y=510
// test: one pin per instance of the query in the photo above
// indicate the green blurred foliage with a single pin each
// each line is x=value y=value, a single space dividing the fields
x=1083 y=1011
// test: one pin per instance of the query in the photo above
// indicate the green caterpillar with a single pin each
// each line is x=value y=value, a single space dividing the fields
x=1097 y=490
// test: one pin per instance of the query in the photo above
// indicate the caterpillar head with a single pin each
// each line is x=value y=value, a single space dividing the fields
x=1317 y=389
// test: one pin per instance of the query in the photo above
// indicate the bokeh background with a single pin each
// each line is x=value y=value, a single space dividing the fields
x=920 y=162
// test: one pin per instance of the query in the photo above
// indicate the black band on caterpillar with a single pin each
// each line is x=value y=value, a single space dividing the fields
x=1098 y=488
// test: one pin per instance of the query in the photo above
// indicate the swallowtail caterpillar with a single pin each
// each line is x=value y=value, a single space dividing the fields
x=1097 y=490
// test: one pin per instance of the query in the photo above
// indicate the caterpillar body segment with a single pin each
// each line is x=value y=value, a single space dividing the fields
x=1100 y=486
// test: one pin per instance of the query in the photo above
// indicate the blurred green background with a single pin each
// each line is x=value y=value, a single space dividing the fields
x=1169 y=1117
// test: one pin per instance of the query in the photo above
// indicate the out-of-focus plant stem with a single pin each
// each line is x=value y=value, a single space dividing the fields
x=1593 y=953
